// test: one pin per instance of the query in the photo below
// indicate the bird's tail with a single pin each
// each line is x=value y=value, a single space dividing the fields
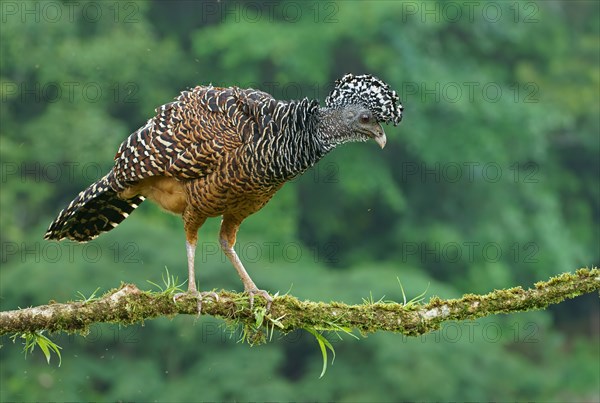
x=95 y=210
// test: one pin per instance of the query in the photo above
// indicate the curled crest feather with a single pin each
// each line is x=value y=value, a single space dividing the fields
x=370 y=92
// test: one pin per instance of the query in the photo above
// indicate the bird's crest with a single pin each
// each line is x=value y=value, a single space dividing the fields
x=369 y=91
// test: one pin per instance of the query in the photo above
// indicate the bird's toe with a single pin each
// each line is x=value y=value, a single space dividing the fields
x=199 y=297
x=262 y=293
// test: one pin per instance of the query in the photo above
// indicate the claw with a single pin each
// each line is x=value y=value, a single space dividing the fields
x=199 y=296
x=262 y=293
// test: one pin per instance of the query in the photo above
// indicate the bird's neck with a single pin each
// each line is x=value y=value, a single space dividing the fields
x=330 y=131
x=308 y=134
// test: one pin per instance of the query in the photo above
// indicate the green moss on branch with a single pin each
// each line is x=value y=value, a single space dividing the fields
x=128 y=305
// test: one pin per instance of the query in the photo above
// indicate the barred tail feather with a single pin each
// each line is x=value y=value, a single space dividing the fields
x=95 y=210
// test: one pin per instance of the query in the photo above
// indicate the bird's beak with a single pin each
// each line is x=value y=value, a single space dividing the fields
x=379 y=136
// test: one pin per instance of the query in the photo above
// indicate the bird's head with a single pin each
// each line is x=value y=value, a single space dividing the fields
x=365 y=102
x=359 y=124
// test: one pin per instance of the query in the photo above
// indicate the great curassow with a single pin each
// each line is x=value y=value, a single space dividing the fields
x=225 y=152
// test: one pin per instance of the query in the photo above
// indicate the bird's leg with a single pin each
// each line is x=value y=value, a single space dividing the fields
x=191 y=238
x=191 y=254
x=227 y=236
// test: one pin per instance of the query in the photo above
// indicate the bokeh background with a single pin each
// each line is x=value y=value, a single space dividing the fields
x=491 y=181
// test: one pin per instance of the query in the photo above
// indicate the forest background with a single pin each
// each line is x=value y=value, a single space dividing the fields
x=490 y=181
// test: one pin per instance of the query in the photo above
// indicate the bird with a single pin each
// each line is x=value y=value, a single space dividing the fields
x=225 y=151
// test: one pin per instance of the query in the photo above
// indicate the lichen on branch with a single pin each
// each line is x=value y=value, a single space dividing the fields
x=128 y=305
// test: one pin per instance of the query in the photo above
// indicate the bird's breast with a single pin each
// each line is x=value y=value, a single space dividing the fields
x=218 y=194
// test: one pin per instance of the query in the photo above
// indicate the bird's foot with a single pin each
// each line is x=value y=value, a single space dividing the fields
x=199 y=296
x=262 y=293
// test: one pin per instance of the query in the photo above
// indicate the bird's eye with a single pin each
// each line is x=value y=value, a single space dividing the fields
x=364 y=118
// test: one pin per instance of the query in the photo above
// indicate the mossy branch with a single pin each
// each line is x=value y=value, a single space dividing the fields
x=127 y=305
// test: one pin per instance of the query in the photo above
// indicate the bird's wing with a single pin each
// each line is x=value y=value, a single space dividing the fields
x=188 y=137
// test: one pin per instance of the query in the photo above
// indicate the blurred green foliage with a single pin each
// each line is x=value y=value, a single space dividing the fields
x=490 y=181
